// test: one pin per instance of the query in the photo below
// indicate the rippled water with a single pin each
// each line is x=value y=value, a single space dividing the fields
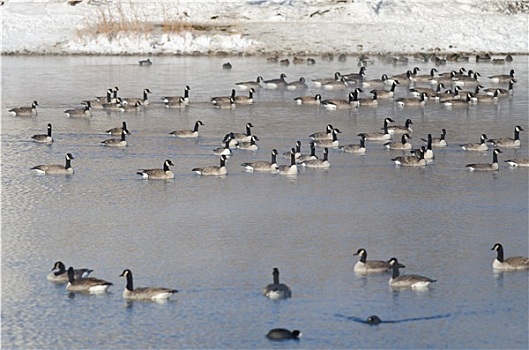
x=216 y=240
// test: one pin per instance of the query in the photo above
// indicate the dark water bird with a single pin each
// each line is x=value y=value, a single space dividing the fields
x=283 y=334
x=277 y=290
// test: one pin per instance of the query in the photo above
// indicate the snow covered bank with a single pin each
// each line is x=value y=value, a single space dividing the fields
x=267 y=26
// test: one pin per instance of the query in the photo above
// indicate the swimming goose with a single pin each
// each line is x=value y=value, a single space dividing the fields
x=43 y=138
x=223 y=99
x=87 y=284
x=213 y=170
x=245 y=100
x=136 y=106
x=334 y=143
x=379 y=136
x=401 y=129
x=341 y=84
x=429 y=155
x=186 y=134
x=494 y=166
x=335 y=103
x=356 y=77
x=276 y=290
x=283 y=334
x=174 y=101
x=416 y=160
x=227 y=65
x=229 y=104
x=447 y=80
x=425 y=78
x=25 y=111
x=366 y=266
x=243 y=137
x=56 y=169
x=308 y=100
x=512 y=263
x=323 y=135
x=247 y=85
x=481 y=146
x=305 y=157
x=249 y=145
x=114 y=106
x=459 y=102
x=99 y=102
x=263 y=165
x=438 y=141
x=430 y=93
x=117 y=131
x=59 y=274
x=80 y=112
x=132 y=100
x=146 y=62
x=319 y=163
x=144 y=293
x=275 y=83
x=232 y=143
x=107 y=98
x=378 y=83
x=291 y=169
x=406 y=77
x=355 y=148
x=487 y=98
x=403 y=144
x=450 y=95
x=502 y=78
x=518 y=162
x=412 y=101
x=297 y=85
x=158 y=174
x=386 y=94
x=369 y=102
x=122 y=142
x=321 y=81
x=508 y=142
x=297 y=151
x=407 y=281
x=501 y=92
x=226 y=149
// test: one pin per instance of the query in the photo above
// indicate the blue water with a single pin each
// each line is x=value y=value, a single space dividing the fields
x=216 y=240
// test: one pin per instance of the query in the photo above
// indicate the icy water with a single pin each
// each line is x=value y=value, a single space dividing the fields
x=217 y=240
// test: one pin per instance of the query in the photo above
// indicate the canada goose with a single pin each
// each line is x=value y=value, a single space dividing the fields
x=379 y=136
x=291 y=169
x=438 y=141
x=304 y=157
x=416 y=160
x=117 y=131
x=146 y=62
x=488 y=98
x=247 y=85
x=518 y=162
x=321 y=81
x=341 y=84
x=446 y=79
x=173 y=101
x=275 y=83
x=132 y=100
x=43 y=138
x=25 y=111
x=401 y=129
x=431 y=93
x=412 y=101
x=494 y=166
x=502 y=78
x=425 y=78
x=378 y=83
x=297 y=152
x=366 y=266
x=144 y=293
x=407 y=76
x=501 y=92
x=249 y=145
x=403 y=144
x=227 y=66
x=323 y=135
x=56 y=169
x=336 y=103
x=308 y=100
x=114 y=106
x=512 y=263
x=283 y=334
x=459 y=102
x=429 y=152
x=225 y=104
x=158 y=174
x=244 y=137
x=334 y=143
x=226 y=149
x=319 y=163
x=213 y=170
x=450 y=95
x=474 y=94
x=386 y=94
x=122 y=142
x=461 y=71
x=100 y=102
x=132 y=107
x=223 y=99
x=276 y=290
x=87 y=284
x=369 y=102
x=59 y=274
x=297 y=85
x=245 y=100
x=481 y=146
x=311 y=61
x=186 y=134
x=356 y=77
x=80 y=112
x=284 y=62
x=356 y=148
x=407 y=281
x=263 y=165
x=508 y=142
x=471 y=79
x=107 y=98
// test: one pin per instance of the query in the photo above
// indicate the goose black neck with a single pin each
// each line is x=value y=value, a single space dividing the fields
x=276 y=276
x=130 y=283
x=395 y=270
x=499 y=257
x=363 y=257
x=363 y=142
x=68 y=164
x=233 y=93
x=195 y=129
x=165 y=166
x=49 y=130
x=145 y=95
x=292 y=157
x=516 y=133
x=429 y=146
x=312 y=150
x=71 y=277
x=494 y=157
x=186 y=93
x=222 y=161
x=274 y=158
x=248 y=130
x=123 y=132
